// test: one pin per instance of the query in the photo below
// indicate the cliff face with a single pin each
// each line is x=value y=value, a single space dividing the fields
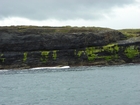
x=32 y=47
x=11 y=41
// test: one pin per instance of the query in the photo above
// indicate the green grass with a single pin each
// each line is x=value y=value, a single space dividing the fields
x=130 y=32
x=2 y=60
x=54 y=54
x=47 y=29
x=90 y=52
x=24 y=56
x=44 y=56
x=131 y=52
x=113 y=48
x=65 y=29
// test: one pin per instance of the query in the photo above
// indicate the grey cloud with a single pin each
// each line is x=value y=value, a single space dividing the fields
x=59 y=9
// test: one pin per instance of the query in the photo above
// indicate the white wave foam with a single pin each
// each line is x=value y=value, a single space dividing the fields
x=61 y=67
x=3 y=70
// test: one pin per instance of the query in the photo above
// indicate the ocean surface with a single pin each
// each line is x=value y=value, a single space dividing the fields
x=85 y=85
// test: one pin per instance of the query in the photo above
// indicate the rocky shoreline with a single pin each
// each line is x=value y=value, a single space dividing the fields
x=28 y=46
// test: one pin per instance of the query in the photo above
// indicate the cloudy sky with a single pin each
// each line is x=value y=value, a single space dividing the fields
x=116 y=14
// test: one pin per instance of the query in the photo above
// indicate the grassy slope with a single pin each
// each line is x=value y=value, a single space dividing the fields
x=131 y=32
x=48 y=29
x=66 y=29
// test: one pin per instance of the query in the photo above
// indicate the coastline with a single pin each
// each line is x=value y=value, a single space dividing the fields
x=28 y=47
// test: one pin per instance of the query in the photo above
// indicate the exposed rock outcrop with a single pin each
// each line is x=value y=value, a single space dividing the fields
x=39 y=47
x=60 y=41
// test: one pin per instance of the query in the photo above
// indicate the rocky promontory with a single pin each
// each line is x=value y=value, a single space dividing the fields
x=32 y=46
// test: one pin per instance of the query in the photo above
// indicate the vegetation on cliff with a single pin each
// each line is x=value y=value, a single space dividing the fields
x=47 y=29
x=31 y=46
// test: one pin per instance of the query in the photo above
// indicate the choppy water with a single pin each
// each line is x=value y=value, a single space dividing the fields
x=109 y=85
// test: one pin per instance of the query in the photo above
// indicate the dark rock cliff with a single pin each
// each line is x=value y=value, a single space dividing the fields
x=37 y=42
x=32 y=47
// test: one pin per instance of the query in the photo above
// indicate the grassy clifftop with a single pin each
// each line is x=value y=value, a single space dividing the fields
x=66 y=29
x=48 y=29
x=130 y=32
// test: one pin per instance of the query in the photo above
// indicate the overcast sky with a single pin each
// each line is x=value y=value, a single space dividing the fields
x=116 y=14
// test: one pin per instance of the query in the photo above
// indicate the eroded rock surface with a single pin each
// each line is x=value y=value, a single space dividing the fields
x=24 y=48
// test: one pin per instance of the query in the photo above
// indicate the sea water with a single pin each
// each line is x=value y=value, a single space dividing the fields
x=84 y=85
